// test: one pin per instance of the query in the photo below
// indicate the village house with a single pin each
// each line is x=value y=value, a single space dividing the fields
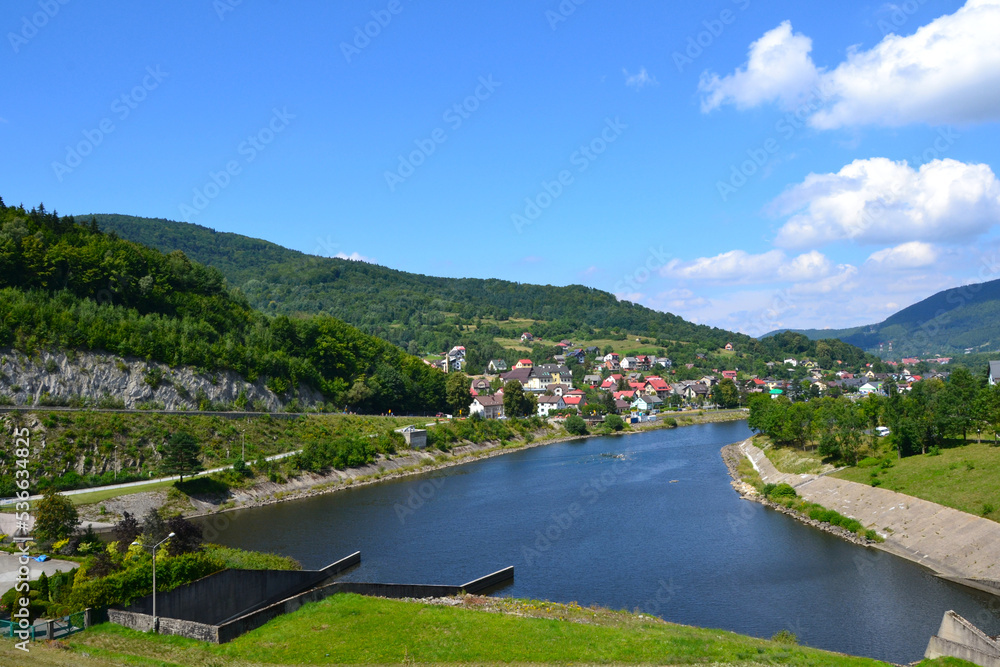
x=729 y=347
x=527 y=337
x=731 y=375
x=575 y=399
x=480 y=386
x=592 y=381
x=496 y=366
x=630 y=364
x=647 y=404
x=547 y=404
x=524 y=363
x=545 y=374
x=490 y=407
x=611 y=383
x=658 y=386
x=520 y=374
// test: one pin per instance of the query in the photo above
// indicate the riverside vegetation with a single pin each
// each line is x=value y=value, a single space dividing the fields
x=941 y=445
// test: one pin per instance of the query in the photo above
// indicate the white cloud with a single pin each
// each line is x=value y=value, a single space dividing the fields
x=807 y=266
x=948 y=71
x=881 y=201
x=732 y=266
x=778 y=68
x=912 y=255
x=355 y=257
x=738 y=266
x=640 y=80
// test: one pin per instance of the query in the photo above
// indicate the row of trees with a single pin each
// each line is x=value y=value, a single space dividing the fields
x=931 y=414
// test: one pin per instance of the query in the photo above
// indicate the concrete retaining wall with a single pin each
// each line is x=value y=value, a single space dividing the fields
x=958 y=638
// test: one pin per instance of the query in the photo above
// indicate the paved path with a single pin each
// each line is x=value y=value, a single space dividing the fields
x=145 y=482
x=953 y=543
x=9 y=565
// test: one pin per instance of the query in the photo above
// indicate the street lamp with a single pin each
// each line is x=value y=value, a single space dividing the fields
x=155 y=546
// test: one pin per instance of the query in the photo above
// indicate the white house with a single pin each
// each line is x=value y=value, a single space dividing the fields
x=994 y=372
x=490 y=407
x=547 y=404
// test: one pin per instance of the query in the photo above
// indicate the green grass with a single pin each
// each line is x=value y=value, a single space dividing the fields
x=963 y=477
x=355 y=629
x=793 y=460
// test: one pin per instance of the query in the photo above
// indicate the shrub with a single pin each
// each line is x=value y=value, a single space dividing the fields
x=783 y=491
x=870 y=534
x=614 y=422
x=576 y=425
x=987 y=509
x=868 y=462
x=670 y=421
x=785 y=637
x=934 y=451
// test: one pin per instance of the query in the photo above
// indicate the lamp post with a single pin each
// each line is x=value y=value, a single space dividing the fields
x=155 y=546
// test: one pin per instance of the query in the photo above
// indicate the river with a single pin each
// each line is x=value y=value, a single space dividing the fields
x=645 y=521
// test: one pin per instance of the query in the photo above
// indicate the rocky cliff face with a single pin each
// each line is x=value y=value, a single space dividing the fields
x=87 y=379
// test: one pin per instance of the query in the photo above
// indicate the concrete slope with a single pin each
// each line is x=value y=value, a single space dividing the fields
x=955 y=544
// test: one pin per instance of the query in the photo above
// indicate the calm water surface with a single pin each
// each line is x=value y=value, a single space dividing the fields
x=644 y=521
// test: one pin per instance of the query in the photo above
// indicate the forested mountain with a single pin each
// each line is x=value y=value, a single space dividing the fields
x=428 y=314
x=72 y=286
x=946 y=323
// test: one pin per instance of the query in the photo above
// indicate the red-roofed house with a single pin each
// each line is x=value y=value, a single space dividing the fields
x=658 y=386
x=524 y=363
x=729 y=374
x=628 y=395
x=574 y=400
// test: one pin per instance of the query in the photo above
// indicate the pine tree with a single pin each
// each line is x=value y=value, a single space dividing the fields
x=180 y=455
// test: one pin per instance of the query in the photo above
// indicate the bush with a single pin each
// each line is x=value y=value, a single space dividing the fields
x=614 y=422
x=870 y=534
x=934 y=451
x=785 y=637
x=670 y=421
x=782 y=491
x=576 y=425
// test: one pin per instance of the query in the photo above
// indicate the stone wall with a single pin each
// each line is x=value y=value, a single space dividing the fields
x=958 y=638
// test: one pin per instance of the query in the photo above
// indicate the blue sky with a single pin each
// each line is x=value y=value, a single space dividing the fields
x=745 y=164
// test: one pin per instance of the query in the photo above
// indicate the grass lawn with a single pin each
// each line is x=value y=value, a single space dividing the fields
x=963 y=477
x=793 y=460
x=355 y=629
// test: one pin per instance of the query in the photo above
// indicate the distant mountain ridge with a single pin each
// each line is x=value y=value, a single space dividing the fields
x=949 y=322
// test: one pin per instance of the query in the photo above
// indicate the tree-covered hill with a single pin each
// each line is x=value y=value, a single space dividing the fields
x=428 y=314
x=69 y=285
x=398 y=306
x=946 y=323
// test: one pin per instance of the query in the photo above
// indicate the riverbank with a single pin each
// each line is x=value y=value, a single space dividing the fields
x=383 y=469
x=954 y=545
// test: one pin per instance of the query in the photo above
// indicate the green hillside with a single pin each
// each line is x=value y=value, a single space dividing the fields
x=946 y=324
x=425 y=314
x=67 y=285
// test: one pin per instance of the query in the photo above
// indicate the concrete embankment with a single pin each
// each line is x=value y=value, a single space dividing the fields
x=956 y=545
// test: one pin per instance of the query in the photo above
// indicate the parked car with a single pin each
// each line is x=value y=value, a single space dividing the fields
x=882 y=431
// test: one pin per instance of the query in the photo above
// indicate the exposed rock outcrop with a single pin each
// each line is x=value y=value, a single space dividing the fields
x=107 y=380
